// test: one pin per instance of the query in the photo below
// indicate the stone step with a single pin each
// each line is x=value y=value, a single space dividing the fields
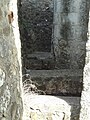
x=55 y=73
x=40 y=55
x=44 y=107
x=57 y=82
x=40 y=60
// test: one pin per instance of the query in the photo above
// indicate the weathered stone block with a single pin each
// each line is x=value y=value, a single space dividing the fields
x=11 y=107
x=69 y=6
x=58 y=6
x=40 y=60
x=38 y=107
x=57 y=82
x=77 y=32
x=85 y=105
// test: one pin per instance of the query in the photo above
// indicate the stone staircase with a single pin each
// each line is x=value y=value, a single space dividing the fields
x=58 y=90
x=40 y=60
x=57 y=82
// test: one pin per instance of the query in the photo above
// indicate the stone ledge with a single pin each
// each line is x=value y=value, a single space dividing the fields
x=57 y=82
x=41 y=107
x=40 y=55
x=55 y=73
x=40 y=60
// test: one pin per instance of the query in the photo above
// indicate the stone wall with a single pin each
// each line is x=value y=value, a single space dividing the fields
x=67 y=20
x=37 y=24
x=55 y=82
x=36 y=18
x=85 y=98
x=70 y=33
x=54 y=35
x=58 y=27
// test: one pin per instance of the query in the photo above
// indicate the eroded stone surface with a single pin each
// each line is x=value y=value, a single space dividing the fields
x=39 y=107
x=10 y=64
x=2 y=77
x=6 y=30
x=85 y=98
x=59 y=27
x=56 y=82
